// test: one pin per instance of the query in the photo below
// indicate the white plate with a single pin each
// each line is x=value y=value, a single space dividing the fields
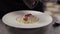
x=10 y=19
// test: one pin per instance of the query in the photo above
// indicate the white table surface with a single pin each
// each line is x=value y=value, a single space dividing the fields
x=4 y=29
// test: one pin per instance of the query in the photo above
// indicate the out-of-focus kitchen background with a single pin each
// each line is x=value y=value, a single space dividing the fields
x=14 y=5
x=48 y=6
x=52 y=8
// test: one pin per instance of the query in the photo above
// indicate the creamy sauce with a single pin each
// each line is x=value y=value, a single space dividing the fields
x=31 y=19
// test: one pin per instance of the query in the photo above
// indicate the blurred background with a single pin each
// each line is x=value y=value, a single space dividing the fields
x=48 y=6
x=14 y=5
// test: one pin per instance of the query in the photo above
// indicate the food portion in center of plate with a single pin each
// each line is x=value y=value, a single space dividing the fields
x=27 y=19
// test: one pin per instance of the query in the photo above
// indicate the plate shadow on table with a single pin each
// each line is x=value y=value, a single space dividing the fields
x=13 y=30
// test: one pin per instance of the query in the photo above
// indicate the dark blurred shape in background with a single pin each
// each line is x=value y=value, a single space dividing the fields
x=58 y=2
x=14 y=5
